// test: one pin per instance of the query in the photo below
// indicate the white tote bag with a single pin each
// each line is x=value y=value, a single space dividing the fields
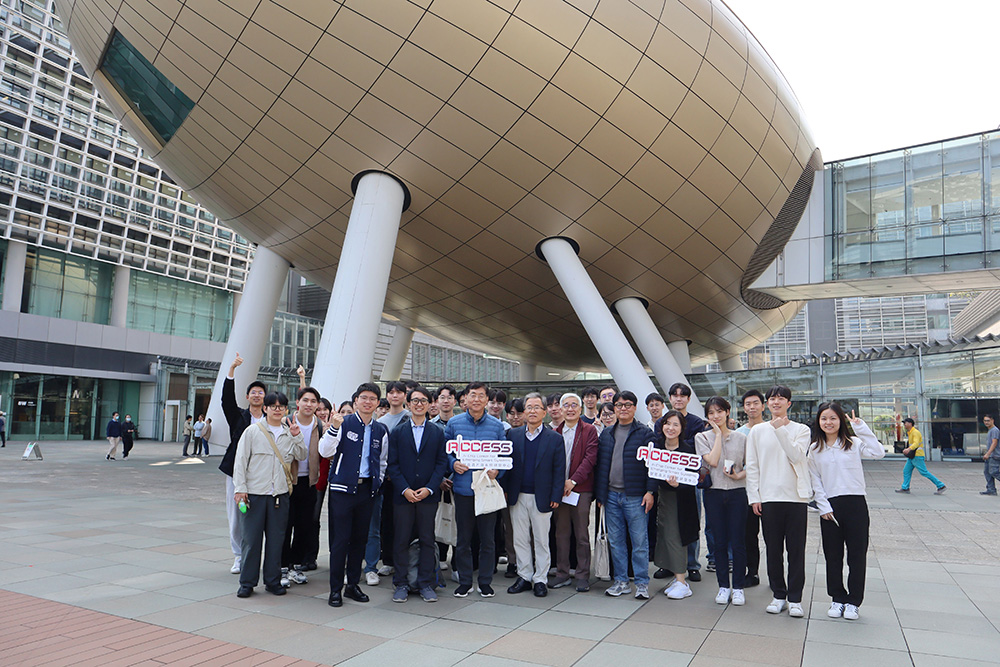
x=489 y=493
x=600 y=563
x=445 y=528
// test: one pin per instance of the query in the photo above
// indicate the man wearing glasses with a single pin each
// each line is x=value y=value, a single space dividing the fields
x=622 y=487
x=580 y=450
x=358 y=447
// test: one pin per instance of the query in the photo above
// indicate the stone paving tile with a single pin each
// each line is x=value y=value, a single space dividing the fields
x=539 y=648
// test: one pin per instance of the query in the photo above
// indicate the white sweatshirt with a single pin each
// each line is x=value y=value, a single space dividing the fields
x=836 y=472
x=776 y=464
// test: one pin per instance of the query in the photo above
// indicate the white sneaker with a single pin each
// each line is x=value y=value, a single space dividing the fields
x=502 y=560
x=285 y=581
x=618 y=589
x=235 y=569
x=297 y=577
x=776 y=607
x=851 y=612
x=738 y=598
x=677 y=590
x=836 y=610
x=371 y=578
x=795 y=610
x=723 y=596
x=443 y=564
x=386 y=570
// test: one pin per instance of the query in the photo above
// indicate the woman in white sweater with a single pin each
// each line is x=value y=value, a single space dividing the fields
x=839 y=490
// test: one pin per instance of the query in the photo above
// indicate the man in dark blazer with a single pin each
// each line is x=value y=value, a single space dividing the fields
x=534 y=488
x=417 y=465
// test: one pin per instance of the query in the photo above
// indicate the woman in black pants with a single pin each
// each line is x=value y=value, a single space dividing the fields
x=839 y=487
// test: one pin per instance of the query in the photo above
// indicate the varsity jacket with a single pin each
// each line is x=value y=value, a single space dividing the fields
x=343 y=446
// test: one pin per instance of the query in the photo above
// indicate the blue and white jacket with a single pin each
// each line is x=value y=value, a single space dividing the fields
x=343 y=447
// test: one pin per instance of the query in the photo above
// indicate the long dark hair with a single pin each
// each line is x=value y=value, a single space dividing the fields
x=659 y=439
x=819 y=435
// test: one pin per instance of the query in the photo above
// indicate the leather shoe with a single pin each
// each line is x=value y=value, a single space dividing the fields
x=541 y=590
x=276 y=590
x=335 y=599
x=244 y=591
x=694 y=575
x=752 y=580
x=519 y=586
x=356 y=594
x=662 y=574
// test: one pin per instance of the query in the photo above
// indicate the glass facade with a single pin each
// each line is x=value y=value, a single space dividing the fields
x=161 y=103
x=68 y=287
x=178 y=308
x=927 y=209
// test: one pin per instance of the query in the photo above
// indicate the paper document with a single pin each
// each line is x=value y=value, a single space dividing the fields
x=572 y=499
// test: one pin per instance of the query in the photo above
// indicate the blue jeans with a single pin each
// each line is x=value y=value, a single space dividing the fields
x=373 y=550
x=623 y=513
x=991 y=468
x=918 y=463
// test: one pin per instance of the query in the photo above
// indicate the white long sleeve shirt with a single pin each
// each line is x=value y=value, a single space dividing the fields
x=776 y=464
x=837 y=472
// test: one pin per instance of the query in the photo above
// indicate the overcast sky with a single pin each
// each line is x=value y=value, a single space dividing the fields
x=880 y=74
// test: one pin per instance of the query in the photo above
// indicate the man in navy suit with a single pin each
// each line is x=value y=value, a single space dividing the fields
x=534 y=488
x=417 y=464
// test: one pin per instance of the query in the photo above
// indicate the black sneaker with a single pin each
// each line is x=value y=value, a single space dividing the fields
x=710 y=567
x=694 y=575
x=462 y=591
x=486 y=590
x=751 y=581
x=662 y=573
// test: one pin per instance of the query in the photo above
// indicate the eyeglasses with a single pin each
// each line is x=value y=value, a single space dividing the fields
x=624 y=406
x=571 y=405
x=419 y=401
x=533 y=408
x=277 y=406
x=368 y=399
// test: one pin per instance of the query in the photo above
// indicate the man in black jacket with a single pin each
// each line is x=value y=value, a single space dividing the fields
x=129 y=432
x=417 y=464
x=239 y=419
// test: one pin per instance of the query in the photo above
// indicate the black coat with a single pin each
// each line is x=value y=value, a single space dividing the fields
x=238 y=419
x=636 y=480
x=410 y=469
x=550 y=468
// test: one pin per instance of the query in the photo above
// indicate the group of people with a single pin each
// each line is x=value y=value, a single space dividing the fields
x=566 y=452
x=200 y=431
x=121 y=434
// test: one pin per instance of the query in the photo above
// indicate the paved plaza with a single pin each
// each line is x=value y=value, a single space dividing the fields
x=127 y=562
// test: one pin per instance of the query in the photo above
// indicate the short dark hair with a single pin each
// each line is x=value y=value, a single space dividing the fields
x=418 y=389
x=185 y=419
x=605 y=406
x=718 y=402
x=308 y=390
x=368 y=386
x=276 y=397
x=116 y=412
x=444 y=387
x=752 y=392
x=256 y=383
x=679 y=388
x=476 y=385
x=515 y=405
x=654 y=397
x=589 y=391
x=988 y=414
x=910 y=420
x=552 y=399
x=779 y=390
x=412 y=384
x=608 y=386
x=497 y=395
x=347 y=403
x=384 y=403
x=625 y=395
x=395 y=385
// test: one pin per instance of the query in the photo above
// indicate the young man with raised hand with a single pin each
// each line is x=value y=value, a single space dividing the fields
x=416 y=465
x=753 y=405
x=359 y=448
x=580 y=450
x=779 y=489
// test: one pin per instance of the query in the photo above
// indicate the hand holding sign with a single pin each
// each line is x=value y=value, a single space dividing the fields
x=492 y=455
x=672 y=466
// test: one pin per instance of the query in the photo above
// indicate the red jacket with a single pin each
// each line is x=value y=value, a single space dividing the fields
x=583 y=458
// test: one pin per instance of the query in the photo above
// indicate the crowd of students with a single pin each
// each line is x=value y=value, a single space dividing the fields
x=394 y=488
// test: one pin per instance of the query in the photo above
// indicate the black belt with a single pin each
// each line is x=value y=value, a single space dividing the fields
x=364 y=480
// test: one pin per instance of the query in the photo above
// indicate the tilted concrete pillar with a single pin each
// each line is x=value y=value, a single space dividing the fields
x=402 y=338
x=731 y=364
x=13 y=275
x=681 y=354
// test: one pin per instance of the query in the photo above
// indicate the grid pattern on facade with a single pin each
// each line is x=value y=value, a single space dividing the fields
x=73 y=179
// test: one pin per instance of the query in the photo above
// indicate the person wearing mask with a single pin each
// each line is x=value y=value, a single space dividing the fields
x=395 y=396
x=198 y=427
x=679 y=396
x=838 y=482
x=300 y=539
x=358 y=445
x=129 y=432
x=417 y=464
x=723 y=453
x=915 y=444
x=114 y=435
x=238 y=419
x=534 y=488
x=591 y=414
x=473 y=424
x=187 y=431
x=779 y=490
x=580 y=449
x=678 y=511
x=753 y=405
x=621 y=487
x=262 y=477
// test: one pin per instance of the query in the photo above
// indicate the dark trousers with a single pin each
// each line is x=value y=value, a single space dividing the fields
x=187 y=442
x=753 y=544
x=350 y=516
x=263 y=526
x=388 y=527
x=466 y=521
x=409 y=518
x=313 y=554
x=726 y=511
x=126 y=446
x=784 y=527
x=299 y=537
x=851 y=513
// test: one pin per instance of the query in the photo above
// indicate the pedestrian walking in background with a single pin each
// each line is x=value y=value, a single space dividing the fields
x=914 y=454
x=129 y=432
x=114 y=435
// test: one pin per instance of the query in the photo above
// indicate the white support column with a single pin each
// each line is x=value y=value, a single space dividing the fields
x=249 y=334
x=119 y=298
x=679 y=349
x=527 y=372
x=344 y=357
x=654 y=350
x=13 y=275
x=402 y=337
x=597 y=320
x=731 y=364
